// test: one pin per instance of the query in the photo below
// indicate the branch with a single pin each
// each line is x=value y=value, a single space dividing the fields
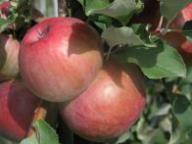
x=62 y=8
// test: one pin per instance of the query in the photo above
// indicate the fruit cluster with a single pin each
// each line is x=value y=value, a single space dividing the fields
x=173 y=34
x=60 y=60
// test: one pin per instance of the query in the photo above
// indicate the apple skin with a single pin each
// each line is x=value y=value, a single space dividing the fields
x=9 y=51
x=110 y=105
x=59 y=58
x=17 y=109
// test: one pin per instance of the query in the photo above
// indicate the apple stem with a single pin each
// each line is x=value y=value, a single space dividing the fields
x=160 y=24
x=62 y=8
x=164 y=30
x=39 y=114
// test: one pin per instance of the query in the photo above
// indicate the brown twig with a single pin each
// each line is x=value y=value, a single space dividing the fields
x=62 y=8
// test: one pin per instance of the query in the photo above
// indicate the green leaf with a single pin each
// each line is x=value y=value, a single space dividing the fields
x=189 y=74
x=189 y=133
x=184 y=117
x=185 y=126
x=91 y=6
x=186 y=89
x=141 y=31
x=14 y=3
x=121 y=36
x=5 y=141
x=170 y=8
x=121 y=10
x=123 y=138
x=3 y=24
x=162 y=61
x=30 y=140
x=159 y=138
x=101 y=21
x=176 y=131
x=44 y=134
x=181 y=103
x=185 y=136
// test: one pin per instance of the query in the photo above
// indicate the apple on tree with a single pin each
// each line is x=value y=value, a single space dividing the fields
x=151 y=15
x=59 y=58
x=17 y=109
x=176 y=38
x=182 y=17
x=4 y=8
x=111 y=104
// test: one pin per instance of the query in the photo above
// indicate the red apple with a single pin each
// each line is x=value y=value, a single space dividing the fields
x=176 y=38
x=59 y=58
x=4 y=8
x=179 y=41
x=182 y=17
x=17 y=109
x=185 y=47
x=9 y=49
x=110 y=105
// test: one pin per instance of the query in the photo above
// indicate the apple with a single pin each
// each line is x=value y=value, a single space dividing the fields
x=151 y=15
x=175 y=38
x=180 y=42
x=4 y=8
x=9 y=50
x=17 y=109
x=182 y=17
x=59 y=58
x=110 y=106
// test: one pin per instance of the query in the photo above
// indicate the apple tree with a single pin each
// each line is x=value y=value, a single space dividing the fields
x=98 y=71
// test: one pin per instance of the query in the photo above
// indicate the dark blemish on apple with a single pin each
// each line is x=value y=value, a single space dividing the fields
x=43 y=33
